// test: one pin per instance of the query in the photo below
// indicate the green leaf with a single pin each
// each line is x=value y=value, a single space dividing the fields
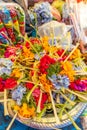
x=53 y=69
x=4 y=76
x=2 y=52
x=24 y=100
x=30 y=92
x=38 y=48
x=42 y=113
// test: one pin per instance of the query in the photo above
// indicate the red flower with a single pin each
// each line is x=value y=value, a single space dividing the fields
x=10 y=51
x=72 y=86
x=32 y=73
x=45 y=63
x=27 y=44
x=35 y=41
x=18 y=46
x=44 y=98
x=60 y=52
x=78 y=1
x=1 y=85
x=36 y=93
x=29 y=85
x=10 y=83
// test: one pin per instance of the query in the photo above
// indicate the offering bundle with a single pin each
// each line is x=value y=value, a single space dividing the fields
x=12 y=23
x=43 y=80
x=44 y=84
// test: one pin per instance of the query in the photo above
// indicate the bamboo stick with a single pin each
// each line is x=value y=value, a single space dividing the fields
x=5 y=103
x=72 y=52
x=55 y=112
x=2 y=100
x=39 y=103
x=12 y=121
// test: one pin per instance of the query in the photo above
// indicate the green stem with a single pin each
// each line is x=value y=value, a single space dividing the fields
x=30 y=82
x=58 y=105
x=42 y=112
x=4 y=45
x=61 y=112
x=73 y=122
x=77 y=94
x=67 y=99
x=30 y=45
x=30 y=92
x=50 y=104
x=23 y=68
x=34 y=48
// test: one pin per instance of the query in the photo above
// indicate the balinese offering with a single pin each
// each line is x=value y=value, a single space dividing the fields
x=44 y=83
x=43 y=79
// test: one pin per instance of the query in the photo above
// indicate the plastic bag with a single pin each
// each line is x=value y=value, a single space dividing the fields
x=58 y=31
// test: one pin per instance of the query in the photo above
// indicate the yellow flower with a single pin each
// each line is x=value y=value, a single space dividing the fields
x=45 y=39
x=27 y=53
x=25 y=110
x=16 y=108
x=67 y=65
x=52 y=52
x=24 y=106
x=17 y=73
x=32 y=111
x=49 y=49
x=68 y=70
x=76 y=54
x=45 y=43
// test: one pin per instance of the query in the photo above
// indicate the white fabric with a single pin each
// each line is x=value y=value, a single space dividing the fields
x=83 y=14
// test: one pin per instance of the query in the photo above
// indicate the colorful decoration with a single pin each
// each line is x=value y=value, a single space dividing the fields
x=34 y=82
x=39 y=78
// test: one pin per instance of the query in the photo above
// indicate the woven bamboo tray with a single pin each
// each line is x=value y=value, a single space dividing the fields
x=48 y=122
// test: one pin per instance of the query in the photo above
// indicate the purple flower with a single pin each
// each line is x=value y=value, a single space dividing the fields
x=5 y=66
x=18 y=93
x=59 y=81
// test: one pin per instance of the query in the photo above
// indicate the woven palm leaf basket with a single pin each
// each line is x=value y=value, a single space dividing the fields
x=48 y=122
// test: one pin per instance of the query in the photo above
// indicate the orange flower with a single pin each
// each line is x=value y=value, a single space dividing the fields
x=46 y=83
x=16 y=73
x=68 y=70
x=76 y=54
x=27 y=53
x=49 y=49
x=25 y=111
x=16 y=108
x=45 y=43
